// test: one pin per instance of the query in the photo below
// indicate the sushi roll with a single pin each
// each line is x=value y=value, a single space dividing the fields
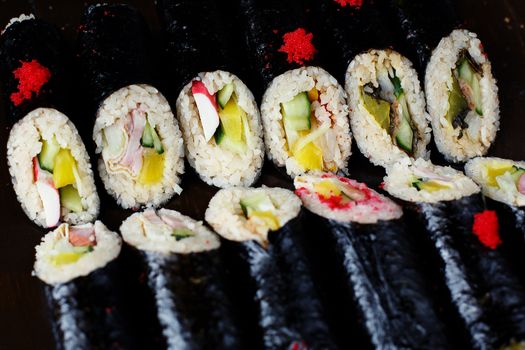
x=379 y=259
x=388 y=116
x=462 y=97
x=187 y=287
x=264 y=226
x=77 y=263
x=488 y=296
x=136 y=135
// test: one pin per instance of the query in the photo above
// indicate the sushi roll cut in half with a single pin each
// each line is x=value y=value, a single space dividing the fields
x=380 y=261
x=388 y=116
x=222 y=129
x=183 y=269
x=50 y=170
x=137 y=136
x=78 y=265
x=462 y=97
x=266 y=228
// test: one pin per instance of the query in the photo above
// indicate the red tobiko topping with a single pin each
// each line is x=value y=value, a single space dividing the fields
x=486 y=228
x=351 y=3
x=31 y=77
x=298 y=46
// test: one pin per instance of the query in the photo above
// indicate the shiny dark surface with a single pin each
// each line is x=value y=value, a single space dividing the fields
x=23 y=314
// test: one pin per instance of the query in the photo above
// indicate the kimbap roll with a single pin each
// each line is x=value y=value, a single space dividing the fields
x=462 y=97
x=388 y=116
x=265 y=225
x=183 y=269
x=136 y=135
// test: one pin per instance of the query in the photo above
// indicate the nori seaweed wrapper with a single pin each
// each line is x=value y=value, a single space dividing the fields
x=423 y=23
x=265 y=23
x=387 y=284
x=29 y=40
x=115 y=49
x=191 y=300
x=88 y=313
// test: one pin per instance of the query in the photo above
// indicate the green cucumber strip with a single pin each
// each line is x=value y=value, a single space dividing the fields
x=181 y=233
x=147 y=137
x=296 y=113
x=224 y=94
x=46 y=157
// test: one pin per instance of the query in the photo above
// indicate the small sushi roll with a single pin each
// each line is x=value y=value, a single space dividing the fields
x=50 y=170
x=462 y=97
x=388 y=116
x=136 y=134
x=365 y=227
x=265 y=223
x=187 y=287
x=78 y=265
x=222 y=129
x=305 y=120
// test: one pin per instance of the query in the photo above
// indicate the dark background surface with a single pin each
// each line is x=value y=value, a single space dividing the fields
x=23 y=315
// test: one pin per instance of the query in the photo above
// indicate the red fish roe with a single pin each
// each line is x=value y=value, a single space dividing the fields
x=298 y=46
x=486 y=228
x=351 y=3
x=31 y=77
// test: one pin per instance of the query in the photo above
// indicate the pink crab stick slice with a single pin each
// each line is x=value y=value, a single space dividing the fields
x=521 y=184
x=207 y=107
x=82 y=235
x=48 y=194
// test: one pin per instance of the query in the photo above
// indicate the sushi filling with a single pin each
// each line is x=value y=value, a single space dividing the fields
x=71 y=243
x=132 y=145
x=260 y=213
x=465 y=94
x=388 y=104
x=342 y=199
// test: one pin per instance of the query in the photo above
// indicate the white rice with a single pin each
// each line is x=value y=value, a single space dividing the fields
x=481 y=130
x=401 y=175
x=24 y=144
x=107 y=249
x=21 y=18
x=332 y=108
x=370 y=210
x=215 y=165
x=374 y=141
x=225 y=215
x=126 y=190
x=476 y=170
x=134 y=233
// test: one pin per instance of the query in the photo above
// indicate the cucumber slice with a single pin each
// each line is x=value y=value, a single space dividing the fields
x=46 y=157
x=219 y=134
x=224 y=94
x=404 y=136
x=157 y=144
x=181 y=233
x=457 y=104
x=296 y=113
x=470 y=74
x=256 y=202
x=70 y=199
x=147 y=137
x=398 y=90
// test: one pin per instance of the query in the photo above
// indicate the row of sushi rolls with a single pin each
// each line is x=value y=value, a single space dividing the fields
x=295 y=250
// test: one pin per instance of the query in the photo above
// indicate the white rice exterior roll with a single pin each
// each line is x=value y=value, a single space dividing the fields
x=25 y=143
x=333 y=105
x=476 y=170
x=401 y=175
x=215 y=165
x=106 y=250
x=482 y=130
x=127 y=191
x=21 y=18
x=225 y=215
x=133 y=231
x=372 y=140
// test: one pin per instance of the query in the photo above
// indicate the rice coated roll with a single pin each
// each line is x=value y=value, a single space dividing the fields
x=388 y=116
x=50 y=170
x=136 y=134
x=266 y=225
x=462 y=97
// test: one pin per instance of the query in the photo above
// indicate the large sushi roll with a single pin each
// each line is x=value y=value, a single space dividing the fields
x=265 y=227
x=379 y=259
x=77 y=263
x=488 y=296
x=388 y=116
x=183 y=268
x=136 y=135
x=462 y=97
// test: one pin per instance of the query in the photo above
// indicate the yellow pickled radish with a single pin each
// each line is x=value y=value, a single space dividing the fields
x=152 y=167
x=63 y=173
x=65 y=258
x=433 y=186
x=267 y=217
x=495 y=170
x=231 y=120
x=313 y=94
x=310 y=157
x=327 y=189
